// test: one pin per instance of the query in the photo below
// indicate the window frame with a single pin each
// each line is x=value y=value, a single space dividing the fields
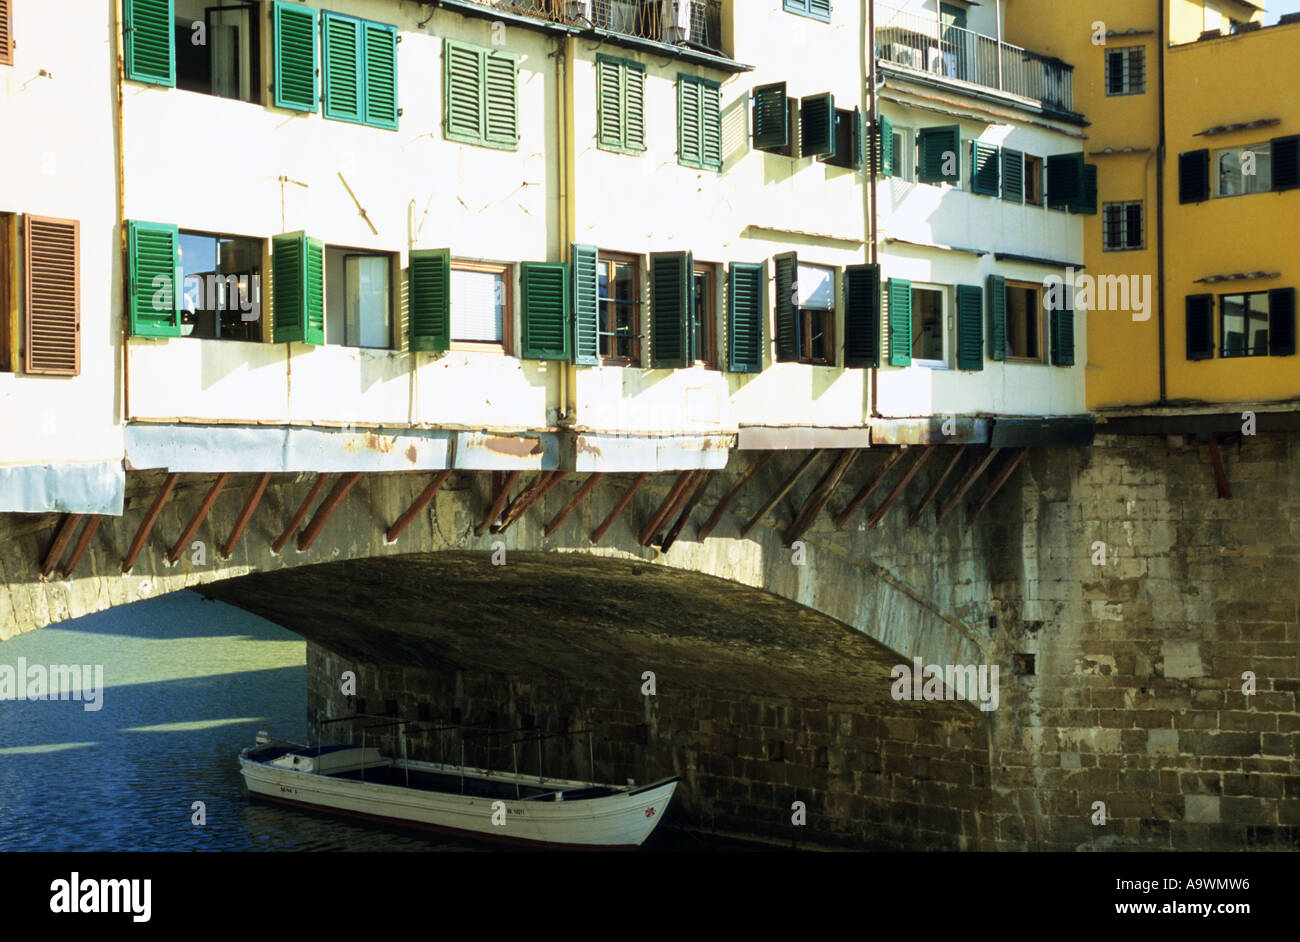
x=904 y=151
x=1123 y=206
x=507 y=272
x=636 y=304
x=806 y=315
x=1126 y=71
x=707 y=87
x=1035 y=168
x=1216 y=174
x=482 y=137
x=946 y=313
x=623 y=67
x=263 y=262
x=709 y=332
x=1223 y=333
x=257 y=85
x=394 y=286
x=1040 y=320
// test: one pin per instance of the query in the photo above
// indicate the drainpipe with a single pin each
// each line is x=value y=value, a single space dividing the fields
x=565 y=221
x=1160 y=200
x=873 y=229
x=118 y=21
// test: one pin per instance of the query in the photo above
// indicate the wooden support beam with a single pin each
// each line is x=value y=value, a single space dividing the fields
x=192 y=527
x=964 y=485
x=83 y=542
x=307 y=501
x=1220 y=478
x=933 y=492
x=821 y=494
x=326 y=510
x=692 y=482
x=587 y=485
x=502 y=493
x=61 y=538
x=860 y=498
x=545 y=483
x=420 y=503
x=732 y=493
x=781 y=492
x=245 y=515
x=598 y=534
x=996 y=484
x=669 y=501
x=696 y=494
x=901 y=486
x=146 y=525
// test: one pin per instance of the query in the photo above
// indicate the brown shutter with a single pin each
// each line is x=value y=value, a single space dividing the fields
x=53 y=323
x=6 y=34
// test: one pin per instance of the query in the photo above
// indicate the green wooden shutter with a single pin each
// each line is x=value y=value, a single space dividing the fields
x=586 y=304
x=745 y=317
x=997 y=317
x=298 y=288
x=862 y=316
x=885 y=146
x=1086 y=202
x=1065 y=179
x=1194 y=176
x=690 y=145
x=462 y=93
x=634 y=107
x=817 y=9
x=1285 y=153
x=672 y=298
x=984 y=169
x=501 y=100
x=429 y=289
x=1200 y=326
x=817 y=125
x=609 y=104
x=380 y=44
x=711 y=124
x=1013 y=175
x=545 y=291
x=342 y=68
x=970 y=327
x=1062 y=330
x=788 y=328
x=152 y=270
x=295 y=57
x=936 y=144
x=1281 y=322
x=771 y=118
x=900 y=322
x=150 y=47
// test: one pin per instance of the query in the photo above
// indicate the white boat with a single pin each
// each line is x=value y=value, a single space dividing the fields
x=478 y=803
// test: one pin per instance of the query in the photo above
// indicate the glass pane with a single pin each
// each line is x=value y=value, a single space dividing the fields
x=478 y=304
x=816 y=288
x=927 y=324
x=624 y=315
x=198 y=264
x=700 y=316
x=1234 y=325
x=1257 y=323
x=240 y=300
x=366 y=322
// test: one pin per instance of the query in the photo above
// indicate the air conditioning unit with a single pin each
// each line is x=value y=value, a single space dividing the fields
x=905 y=55
x=677 y=21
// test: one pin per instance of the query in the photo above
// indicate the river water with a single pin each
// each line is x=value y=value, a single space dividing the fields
x=187 y=683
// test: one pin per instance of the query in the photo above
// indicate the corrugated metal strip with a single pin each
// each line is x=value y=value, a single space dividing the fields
x=94 y=487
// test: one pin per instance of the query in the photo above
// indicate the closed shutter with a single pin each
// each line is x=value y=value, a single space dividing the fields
x=53 y=311
x=6 y=34
x=900 y=322
x=341 y=58
x=672 y=301
x=429 y=290
x=817 y=125
x=1062 y=330
x=771 y=118
x=634 y=107
x=586 y=304
x=862 y=316
x=501 y=100
x=1086 y=202
x=298 y=289
x=295 y=57
x=150 y=48
x=1200 y=326
x=1065 y=179
x=939 y=151
x=1013 y=175
x=885 y=146
x=970 y=327
x=381 y=75
x=1194 y=176
x=997 y=286
x=1285 y=152
x=690 y=148
x=788 y=327
x=984 y=169
x=610 y=119
x=711 y=125
x=1281 y=322
x=151 y=270
x=462 y=93
x=1133 y=226
x=745 y=318
x=545 y=293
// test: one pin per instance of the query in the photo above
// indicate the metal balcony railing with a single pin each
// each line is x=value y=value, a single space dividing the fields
x=920 y=42
x=693 y=23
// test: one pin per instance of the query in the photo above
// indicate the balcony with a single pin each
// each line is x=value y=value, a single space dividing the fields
x=921 y=43
x=696 y=24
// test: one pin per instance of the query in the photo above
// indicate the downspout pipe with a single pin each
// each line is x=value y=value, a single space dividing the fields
x=873 y=228
x=1160 y=202
x=119 y=42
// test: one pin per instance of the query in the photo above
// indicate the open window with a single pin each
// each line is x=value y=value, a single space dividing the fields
x=217 y=48
x=221 y=293
x=1024 y=333
x=358 y=298
x=481 y=309
x=704 y=315
x=618 y=287
x=929 y=325
x=815 y=299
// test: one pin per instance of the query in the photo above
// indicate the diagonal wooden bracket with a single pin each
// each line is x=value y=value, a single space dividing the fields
x=317 y=486
x=83 y=542
x=670 y=501
x=1220 y=477
x=426 y=495
x=199 y=516
x=599 y=533
x=146 y=525
x=245 y=515
x=860 y=498
x=520 y=506
x=901 y=486
x=781 y=491
x=950 y=502
x=732 y=493
x=696 y=494
x=572 y=503
x=995 y=485
x=326 y=510
x=933 y=492
x=61 y=539
x=821 y=494
x=498 y=502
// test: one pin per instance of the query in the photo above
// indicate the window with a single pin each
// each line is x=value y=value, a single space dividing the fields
x=358 y=298
x=1126 y=71
x=480 y=303
x=1243 y=170
x=359 y=71
x=620 y=105
x=221 y=295
x=904 y=153
x=618 y=291
x=704 y=316
x=816 y=313
x=1122 y=226
x=481 y=96
x=699 y=123
x=928 y=318
x=1033 y=180
x=1244 y=324
x=1024 y=322
x=217 y=51
x=817 y=9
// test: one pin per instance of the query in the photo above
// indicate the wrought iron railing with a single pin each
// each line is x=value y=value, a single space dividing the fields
x=922 y=43
x=694 y=23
